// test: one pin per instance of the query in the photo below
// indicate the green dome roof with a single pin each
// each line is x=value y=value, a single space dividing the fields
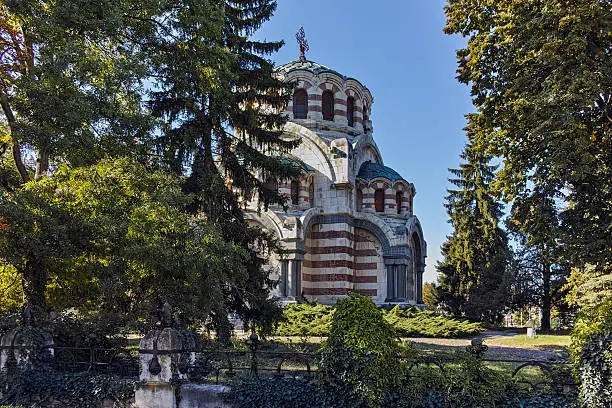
x=370 y=170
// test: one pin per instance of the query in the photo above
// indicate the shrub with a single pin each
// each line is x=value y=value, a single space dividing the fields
x=305 y=319
x=591 y=350
x=315 y=320
x=361 y=350
x=596 y=371
x=283 y=392
x=44 y=387
x=413 y=322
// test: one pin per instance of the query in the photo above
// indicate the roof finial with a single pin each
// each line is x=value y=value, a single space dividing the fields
x=300 y=36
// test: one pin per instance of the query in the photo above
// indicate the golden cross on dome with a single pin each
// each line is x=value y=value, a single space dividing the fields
x=300 y=36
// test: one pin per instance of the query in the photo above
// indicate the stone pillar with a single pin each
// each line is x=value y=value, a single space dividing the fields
x=25 y=345
x=165 y=356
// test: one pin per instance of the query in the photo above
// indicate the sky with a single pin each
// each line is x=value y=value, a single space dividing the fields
x=397 y=49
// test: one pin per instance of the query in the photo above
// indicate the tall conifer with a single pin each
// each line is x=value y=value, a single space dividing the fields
x=473 y=271
x=219 y=106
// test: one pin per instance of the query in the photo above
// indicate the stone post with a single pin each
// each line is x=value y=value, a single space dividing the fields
x=25 y=345
x=165 y=356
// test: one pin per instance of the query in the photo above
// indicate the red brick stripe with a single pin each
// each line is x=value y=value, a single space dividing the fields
x=340 y=263
x=337 y=291
x=338 y=277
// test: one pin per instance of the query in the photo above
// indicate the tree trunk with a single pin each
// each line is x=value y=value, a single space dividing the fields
x=16 y=148
x=42 y=165
x=546 y=297
x=34 y=279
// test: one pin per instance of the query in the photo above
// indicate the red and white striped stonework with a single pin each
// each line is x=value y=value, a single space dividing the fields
x=346 y=233
x=340 y=259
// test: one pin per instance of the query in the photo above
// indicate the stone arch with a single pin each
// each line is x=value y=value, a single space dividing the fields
x=311 y=143
x=414 y=232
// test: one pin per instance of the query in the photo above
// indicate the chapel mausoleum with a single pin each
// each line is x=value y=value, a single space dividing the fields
x=349 y=225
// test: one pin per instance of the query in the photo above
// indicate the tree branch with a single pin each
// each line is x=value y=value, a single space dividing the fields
x=8 y=112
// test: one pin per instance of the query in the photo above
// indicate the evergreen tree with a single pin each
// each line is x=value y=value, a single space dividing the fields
x=473 y=273
x=220 y=109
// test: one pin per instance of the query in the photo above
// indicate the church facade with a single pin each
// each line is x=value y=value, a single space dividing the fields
x=349 y=223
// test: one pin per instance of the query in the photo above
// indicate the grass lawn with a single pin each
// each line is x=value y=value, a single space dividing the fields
x=543 y=341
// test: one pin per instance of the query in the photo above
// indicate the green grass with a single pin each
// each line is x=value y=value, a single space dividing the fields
x=544 y=340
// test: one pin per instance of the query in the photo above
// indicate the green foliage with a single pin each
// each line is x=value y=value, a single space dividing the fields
x=473 y=273
x=361 y=350
x=416 y=323
x=290 y=393
x=596 y=371
x=431 y=297
x=115 y=226
x=591 y=322
x=41 y=387
x=539 y=77
x=305 y=319
x=591 y=350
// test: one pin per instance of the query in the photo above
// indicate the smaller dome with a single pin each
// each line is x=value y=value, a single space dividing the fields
x=370 y=170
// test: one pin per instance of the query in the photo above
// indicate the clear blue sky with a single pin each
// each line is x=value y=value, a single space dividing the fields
x=398 y=50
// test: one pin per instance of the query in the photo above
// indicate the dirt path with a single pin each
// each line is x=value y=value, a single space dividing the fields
x=492 y=339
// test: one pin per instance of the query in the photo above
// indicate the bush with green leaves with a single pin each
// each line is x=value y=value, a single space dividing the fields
x=280 y=392
x=413 y=322
x=313 y=319
x=305 y=319
x=40 y=387
x=595 y=371
x=361 y=350
x=591 y=350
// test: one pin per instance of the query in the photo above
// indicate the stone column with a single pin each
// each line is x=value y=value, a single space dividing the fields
x=25 y=345
x=165 y=356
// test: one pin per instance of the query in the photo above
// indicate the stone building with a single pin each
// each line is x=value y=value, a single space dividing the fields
x=349 y=225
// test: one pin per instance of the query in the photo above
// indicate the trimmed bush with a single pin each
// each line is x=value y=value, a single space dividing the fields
x=315 y=320
x=413 y=322
x=305 y=319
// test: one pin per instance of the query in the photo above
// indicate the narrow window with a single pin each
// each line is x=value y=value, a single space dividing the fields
x=366 y=117
x=311 y=194
x=359 y=199
x=350 y=111
x=398 y=202
x=328 y=105
x=379 y=200
x=284 y=278
x=295 y=192
x=300 y=104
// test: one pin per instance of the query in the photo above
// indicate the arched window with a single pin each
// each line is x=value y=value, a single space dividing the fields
x=359 y=199
x=328 y=105
x=350 y=111
x=295 y=192
x=311 y=194
x=300 y=104
x=398 y=202
x=379 y=200
x=366 y=116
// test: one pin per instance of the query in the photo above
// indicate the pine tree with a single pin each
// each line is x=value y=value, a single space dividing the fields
x=220 y=108
x=473 y=280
